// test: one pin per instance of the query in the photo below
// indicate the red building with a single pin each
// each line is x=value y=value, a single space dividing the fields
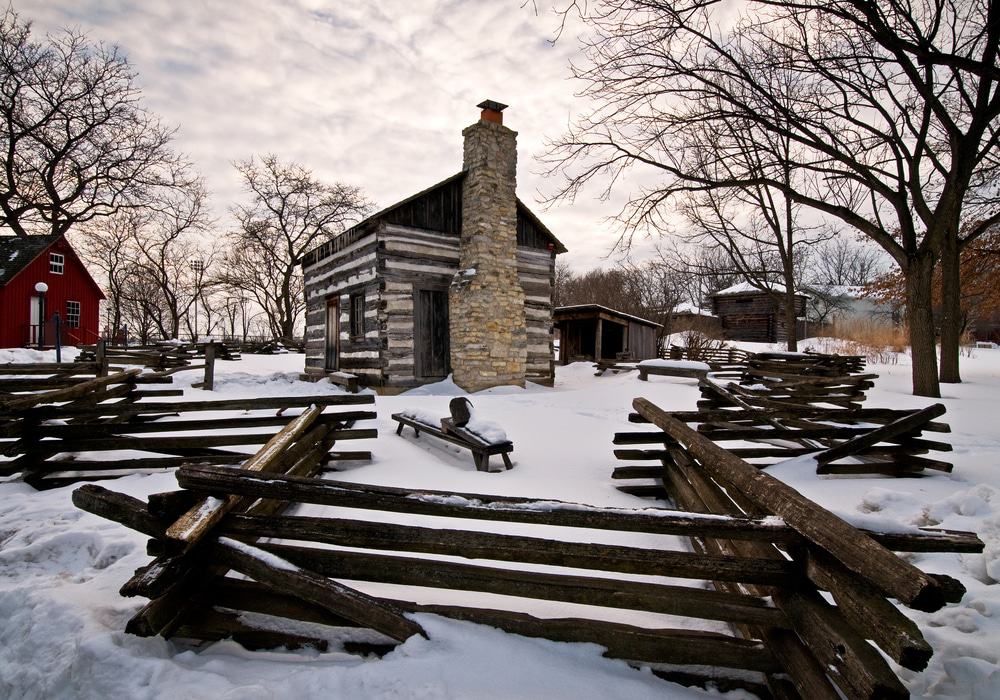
x=72 y=292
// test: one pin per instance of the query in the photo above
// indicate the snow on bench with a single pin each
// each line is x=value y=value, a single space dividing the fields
x=480 y=437
x=673 y=368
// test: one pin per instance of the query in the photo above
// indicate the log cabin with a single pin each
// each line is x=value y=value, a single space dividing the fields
x=26 y=316
x=751 y=314
x=456 y=279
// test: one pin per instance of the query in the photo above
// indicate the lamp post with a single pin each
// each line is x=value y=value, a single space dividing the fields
x=41 y=288
x=198 y=267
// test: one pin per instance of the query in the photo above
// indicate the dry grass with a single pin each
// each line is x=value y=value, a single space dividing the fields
x=879 y=341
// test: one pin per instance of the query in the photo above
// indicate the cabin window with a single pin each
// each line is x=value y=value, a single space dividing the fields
x=73 y=314
x=57 y=262
x=357 y=315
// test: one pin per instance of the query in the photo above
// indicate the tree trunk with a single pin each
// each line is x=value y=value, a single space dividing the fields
x=920 y=317
x=951 y=310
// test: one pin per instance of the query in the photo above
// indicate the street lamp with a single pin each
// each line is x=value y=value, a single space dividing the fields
x=198 y=267
x=41 y=288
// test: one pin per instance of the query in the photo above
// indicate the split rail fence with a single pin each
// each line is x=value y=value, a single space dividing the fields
x=104 y=427
x=230 y=562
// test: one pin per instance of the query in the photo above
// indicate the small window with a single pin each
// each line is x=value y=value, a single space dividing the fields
x=73 y=314
x=358 y=315
x=57 y=261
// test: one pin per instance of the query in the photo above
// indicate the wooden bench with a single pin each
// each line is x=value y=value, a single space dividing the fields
x=481 y=450
x=646 y=370
x=345 y=379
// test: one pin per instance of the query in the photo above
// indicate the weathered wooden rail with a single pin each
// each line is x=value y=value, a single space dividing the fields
x=226 y=522
x=824 y=645
x=87 y=430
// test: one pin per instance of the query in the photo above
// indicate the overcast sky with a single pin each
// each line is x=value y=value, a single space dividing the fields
x=368 y=93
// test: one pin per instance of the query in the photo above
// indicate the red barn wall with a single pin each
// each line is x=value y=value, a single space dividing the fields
x=73 y=285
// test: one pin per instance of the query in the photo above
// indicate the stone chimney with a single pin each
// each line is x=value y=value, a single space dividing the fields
x=489 y=337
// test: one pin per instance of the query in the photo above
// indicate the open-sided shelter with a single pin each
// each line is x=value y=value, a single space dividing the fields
x=594 y=332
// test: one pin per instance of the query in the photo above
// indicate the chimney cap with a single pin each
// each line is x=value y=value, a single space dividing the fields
x=492 y=105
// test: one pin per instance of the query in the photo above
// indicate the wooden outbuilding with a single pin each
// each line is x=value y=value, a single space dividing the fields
x=755 y=315
x=591 y=332
x=26 y=315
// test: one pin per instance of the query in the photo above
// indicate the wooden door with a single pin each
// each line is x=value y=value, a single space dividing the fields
x=430 y=333
x=332 y=334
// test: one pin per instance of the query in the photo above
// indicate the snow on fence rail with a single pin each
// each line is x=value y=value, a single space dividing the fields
x=90 y=428
x=741 y=523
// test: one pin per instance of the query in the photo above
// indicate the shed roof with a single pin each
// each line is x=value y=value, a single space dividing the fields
x=598 y=308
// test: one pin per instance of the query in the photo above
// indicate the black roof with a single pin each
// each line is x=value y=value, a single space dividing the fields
x=595 y=310
x=17 y=252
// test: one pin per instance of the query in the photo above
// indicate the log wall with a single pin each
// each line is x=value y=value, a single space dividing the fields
x=390 y=265
x=350 y=270
x=754 y=317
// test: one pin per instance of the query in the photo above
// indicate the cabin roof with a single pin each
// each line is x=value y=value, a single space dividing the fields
x=747 y=289
x=17 y=252
x=318 y=253
x=686 y=307
x=598 y=308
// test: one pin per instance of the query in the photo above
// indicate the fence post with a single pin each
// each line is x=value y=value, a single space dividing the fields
x=58 y=324
x=101 y=356
x=209 y=384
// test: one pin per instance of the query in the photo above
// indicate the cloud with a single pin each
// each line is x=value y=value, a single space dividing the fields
x=370 y=93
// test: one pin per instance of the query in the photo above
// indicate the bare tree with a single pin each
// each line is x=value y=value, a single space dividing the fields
x=75 y=141
x=761 y=231
x=145 y=257
x=173 y=255
x=895 y=121
x=290 y=212
x=110 y=251
x=845 y=262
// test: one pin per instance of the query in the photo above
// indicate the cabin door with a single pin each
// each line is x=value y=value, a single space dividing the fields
x=332 y=334
x=430 y=333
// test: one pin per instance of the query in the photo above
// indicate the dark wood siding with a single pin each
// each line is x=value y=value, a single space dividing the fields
x=642 y=341
x=529 y=234
x=754 y=317
x=438 y=209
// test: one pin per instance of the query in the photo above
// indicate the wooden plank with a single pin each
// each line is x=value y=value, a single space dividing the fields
x=206 y=478
x=174 y=442
x=873 y=615
x=660 y=646
x=329 y=595
x=483 y=545
x=197 y=522
x=890 y=430
x=268 y=402
x=196 y=424
x=586 y=590
x=20 y=403
x=855 y=550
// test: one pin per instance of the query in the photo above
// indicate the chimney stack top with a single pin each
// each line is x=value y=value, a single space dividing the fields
x=492 y=111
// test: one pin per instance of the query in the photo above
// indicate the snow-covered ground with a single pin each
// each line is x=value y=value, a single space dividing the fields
x=62 y=620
